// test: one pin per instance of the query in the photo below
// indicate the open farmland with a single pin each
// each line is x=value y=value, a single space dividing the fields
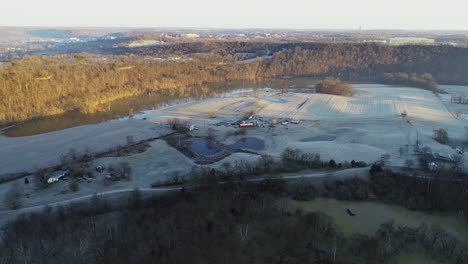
x=27 y=154
x=360 y=123
x=369 y=101
x=362 y=128
x=459 y=110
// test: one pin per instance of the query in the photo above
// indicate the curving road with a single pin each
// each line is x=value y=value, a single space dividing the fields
x=9 y=215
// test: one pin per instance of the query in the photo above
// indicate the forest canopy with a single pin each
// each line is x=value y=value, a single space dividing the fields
x=41 y=86
x=49 y=85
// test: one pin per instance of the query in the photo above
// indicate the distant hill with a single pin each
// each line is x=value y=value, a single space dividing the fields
x=51 y=33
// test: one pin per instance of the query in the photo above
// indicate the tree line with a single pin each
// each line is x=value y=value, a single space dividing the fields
x=333 y=86
x=48 y=85
x=368 y=62
x=41 y=86
x=237 y=222
x=427 y=194
x=424 y=81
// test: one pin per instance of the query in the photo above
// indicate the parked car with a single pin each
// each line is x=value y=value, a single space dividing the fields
x=100 y=168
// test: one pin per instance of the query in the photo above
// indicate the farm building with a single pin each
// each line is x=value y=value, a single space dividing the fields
x=442 y=156
x=432 y=166
x=247 y=125
x=56 y=176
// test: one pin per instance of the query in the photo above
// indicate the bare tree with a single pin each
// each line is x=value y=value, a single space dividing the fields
x=74 y=186
x=212 y=114
x=426 y=149
x=135 y=198
x=124 y=170
x=211 y=134
x=13 y=197
x=441 y=135
x=384 y=158
x=458 y=161
x=130 y=141
x=39 y=179
x=173 y=123
x=243 y=232
x=401 y=150
x=409 y=163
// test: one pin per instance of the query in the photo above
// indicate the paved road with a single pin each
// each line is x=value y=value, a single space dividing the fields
x=8 y=215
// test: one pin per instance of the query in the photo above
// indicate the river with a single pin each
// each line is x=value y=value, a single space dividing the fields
x=123 y=107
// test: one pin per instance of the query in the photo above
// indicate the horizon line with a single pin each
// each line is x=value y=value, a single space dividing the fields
x=233 y=28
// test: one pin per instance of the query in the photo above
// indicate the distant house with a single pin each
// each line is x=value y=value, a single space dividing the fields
x=442 y=156
x=52 y=180
x=247 y=125
x=432 y=166
x=56 y=176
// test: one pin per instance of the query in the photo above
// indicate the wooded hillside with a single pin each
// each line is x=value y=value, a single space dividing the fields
x=448 y=65
x=48 y=85
x=39 y=86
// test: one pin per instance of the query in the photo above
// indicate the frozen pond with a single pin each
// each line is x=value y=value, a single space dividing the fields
x=250 y=143
x=319 y=138
x=201 y=147
x=370 y=214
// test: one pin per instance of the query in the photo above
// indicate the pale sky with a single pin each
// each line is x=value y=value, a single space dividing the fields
x=304 y=14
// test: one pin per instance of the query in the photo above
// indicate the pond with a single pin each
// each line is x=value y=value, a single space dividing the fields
x=249 y=143
x=202 y=147
x=369 y=216
x=416 y=256
x=319 y=138
x=120 y=109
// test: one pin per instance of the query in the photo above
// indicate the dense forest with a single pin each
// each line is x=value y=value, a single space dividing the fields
x=38 y=86
x=369 y=61
x=48 y=85
x=427 y=194
x=237 y=222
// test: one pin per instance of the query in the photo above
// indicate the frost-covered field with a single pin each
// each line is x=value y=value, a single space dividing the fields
x=369 y=101
x=367 y=124
x=32 y=152
x=459 y=110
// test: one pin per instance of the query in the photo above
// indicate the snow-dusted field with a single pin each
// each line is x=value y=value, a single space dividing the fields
x=26 y=154
x=365 y=125
x=370 y=117
x=369 y=101
x=458 y=110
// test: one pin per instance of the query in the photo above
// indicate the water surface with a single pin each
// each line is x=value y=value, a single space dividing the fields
x=319 y=138
x=249 y=143
x=369 y=216
x=202 y=147
x=134 y=105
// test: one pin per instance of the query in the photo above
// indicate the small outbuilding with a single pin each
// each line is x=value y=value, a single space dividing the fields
x=56 y=176
x=442 y=156
x=432 y=166
x=247 y=125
